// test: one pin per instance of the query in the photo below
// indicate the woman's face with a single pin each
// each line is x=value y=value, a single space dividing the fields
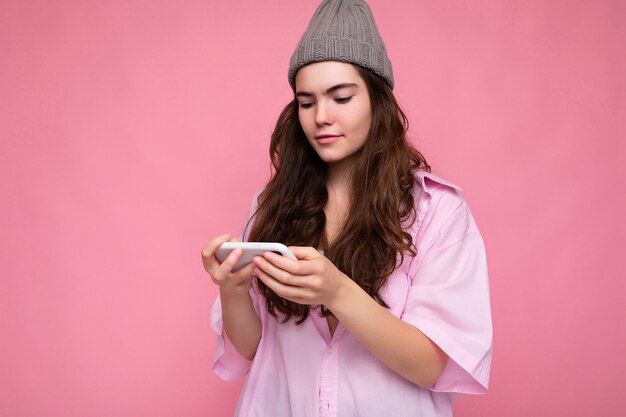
x=334 y=109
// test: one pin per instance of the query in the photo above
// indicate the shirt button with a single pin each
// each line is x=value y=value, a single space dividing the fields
x=330 y=350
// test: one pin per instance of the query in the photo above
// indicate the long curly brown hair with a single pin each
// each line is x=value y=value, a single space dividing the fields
x=291 y=207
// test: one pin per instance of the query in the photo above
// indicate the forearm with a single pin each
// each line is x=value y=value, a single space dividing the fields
x=397 y=344
x=241 y=322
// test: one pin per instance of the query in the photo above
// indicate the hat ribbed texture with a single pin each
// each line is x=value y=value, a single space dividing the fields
x=342 y=30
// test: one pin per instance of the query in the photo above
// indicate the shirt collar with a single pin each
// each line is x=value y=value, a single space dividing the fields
x=424 y=177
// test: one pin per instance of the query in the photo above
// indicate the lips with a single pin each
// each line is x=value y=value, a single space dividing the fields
x=326 y=139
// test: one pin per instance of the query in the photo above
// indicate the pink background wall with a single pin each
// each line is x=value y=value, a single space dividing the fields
x=132 y=132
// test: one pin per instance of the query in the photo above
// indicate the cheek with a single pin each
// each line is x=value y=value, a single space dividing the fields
x=365 y=122
x=304 y=122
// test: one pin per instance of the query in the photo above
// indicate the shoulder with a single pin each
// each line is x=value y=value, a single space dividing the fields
x=434 y=195
x=254 y=206
x=442 y=214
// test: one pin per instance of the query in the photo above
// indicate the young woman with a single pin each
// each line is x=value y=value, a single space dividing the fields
x=386 y=311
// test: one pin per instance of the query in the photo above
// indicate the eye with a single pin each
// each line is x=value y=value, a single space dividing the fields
x=305 y=105
x=343 y=100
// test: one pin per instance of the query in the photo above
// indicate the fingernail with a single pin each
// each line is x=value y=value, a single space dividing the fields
x=257 y=271
x=269 y=255
x=226 y=236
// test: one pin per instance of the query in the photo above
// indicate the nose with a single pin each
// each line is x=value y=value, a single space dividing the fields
x=322 y=115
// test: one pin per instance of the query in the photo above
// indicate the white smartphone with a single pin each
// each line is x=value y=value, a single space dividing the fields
x=250 y=250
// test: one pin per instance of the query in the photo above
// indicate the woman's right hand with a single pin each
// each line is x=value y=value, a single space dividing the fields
x=240 y=320
x=221 y=274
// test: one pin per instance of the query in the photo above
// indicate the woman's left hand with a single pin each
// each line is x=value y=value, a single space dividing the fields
x=312 y=279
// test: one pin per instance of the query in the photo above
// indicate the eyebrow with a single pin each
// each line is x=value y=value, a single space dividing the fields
x=330 y=90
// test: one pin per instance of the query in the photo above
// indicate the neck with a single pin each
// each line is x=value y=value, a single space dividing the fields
x=339 y=175
x=339 y=188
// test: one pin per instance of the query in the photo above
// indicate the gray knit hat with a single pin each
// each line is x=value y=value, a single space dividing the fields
x=342 y=30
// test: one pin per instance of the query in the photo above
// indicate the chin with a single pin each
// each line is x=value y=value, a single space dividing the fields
x=330 y=159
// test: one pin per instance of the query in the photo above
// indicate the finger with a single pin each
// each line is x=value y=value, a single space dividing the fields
x=281 y=262
x=308 y=261
x=305 y=252
x=275 y=272
x=208 y=251
x=245 y=273
x=226 y=267
x=286 y=291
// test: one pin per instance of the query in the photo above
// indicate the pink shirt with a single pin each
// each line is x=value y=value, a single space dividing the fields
x=301 y=371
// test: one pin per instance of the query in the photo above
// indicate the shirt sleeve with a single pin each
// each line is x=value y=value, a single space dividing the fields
x=228 y=364
x=449 y=302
